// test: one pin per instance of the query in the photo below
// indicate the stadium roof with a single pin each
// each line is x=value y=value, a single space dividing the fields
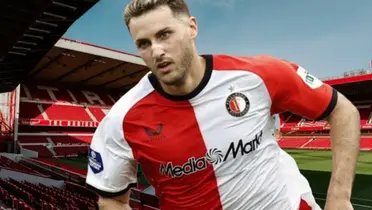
x=34 y=51
x=355 y=85
x=29 y=30
x=80 y=64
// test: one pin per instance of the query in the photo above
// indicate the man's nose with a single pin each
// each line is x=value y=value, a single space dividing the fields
x=157 y=51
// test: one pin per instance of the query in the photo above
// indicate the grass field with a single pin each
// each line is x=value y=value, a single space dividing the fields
x=316 y=166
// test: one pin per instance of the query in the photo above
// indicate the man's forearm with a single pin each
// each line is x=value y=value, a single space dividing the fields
x=345 y=138
x=120 y=203
x=111 y=204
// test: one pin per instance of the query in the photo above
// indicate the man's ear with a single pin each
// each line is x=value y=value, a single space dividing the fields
x=193 y=27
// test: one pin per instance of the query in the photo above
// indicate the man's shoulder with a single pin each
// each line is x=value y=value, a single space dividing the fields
x=130 y=98
x=248 y=63
x=265 y=66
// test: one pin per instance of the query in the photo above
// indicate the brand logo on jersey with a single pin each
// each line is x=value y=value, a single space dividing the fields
x=214 y=156
x=237 y=104
x=309 y=79
x=95 y=161
x=155 y=134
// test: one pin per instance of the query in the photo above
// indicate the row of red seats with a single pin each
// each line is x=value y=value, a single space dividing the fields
x=65 y=167
x=149 y=202
x=14 y=197
x=316 y=142
x=64 y=196
x=40 y=149
x=59 y=112
x=33 y=92
x=71 y=151
x=43 y=197
x=294 y=120
x=10 y=201
x=56 y=139
x=43 y=151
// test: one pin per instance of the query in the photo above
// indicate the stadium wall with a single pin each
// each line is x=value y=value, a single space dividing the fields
x=5 y=174
x=29 y=153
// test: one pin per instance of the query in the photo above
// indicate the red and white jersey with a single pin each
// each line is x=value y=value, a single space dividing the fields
x=214 y=148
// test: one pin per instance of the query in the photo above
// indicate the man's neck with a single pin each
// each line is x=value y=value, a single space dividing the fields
x=193 y=78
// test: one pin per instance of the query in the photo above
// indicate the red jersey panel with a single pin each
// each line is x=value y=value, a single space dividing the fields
x=214 y=148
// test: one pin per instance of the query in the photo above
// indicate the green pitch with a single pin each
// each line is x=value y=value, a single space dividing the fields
x=315 y=165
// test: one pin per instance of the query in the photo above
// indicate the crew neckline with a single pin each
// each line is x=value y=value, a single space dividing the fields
x=203 y=83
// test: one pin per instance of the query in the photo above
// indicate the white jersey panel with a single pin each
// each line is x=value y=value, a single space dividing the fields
x=241 y=144
x=112 y=167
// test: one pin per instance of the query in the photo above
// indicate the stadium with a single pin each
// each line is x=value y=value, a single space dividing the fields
x=55 y=91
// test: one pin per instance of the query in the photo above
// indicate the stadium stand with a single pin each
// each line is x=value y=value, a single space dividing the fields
x=300 y=133
x=55 y=117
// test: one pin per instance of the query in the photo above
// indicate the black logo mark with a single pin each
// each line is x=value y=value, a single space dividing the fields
x=151 y=132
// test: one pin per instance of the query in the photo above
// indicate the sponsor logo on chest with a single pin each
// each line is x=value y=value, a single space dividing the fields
x=213 y=156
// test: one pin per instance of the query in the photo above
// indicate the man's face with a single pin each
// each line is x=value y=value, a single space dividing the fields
x=165 y=43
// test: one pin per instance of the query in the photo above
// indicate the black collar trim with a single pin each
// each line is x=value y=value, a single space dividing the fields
x=207 y=75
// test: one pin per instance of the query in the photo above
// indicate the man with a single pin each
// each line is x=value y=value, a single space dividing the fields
x=202 y=126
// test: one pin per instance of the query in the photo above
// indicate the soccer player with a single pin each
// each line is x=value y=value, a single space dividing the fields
x=201 y=126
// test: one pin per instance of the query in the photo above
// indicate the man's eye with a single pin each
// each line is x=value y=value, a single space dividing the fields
x=164 y=35
x=142 y=45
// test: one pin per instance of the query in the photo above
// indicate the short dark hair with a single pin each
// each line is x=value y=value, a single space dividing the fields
x=137 y=8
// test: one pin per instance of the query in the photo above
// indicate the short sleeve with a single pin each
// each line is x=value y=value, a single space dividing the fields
x=294 y=89
x=112 y=169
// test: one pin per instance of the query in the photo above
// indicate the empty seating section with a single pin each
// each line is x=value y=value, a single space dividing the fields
x=71 y=150
x=97 y=113
x=32 y=139
x=62 y=145
x=292 y=142
x=51 y=118
x=292 y=121
x=85 y=139
x=65 y=95
x=70 y=139
x=56 y=107
x=57 y=140
x=29 y=111
x=63 y=166
x=366 y=143
x=317 y=142
x=42 y=150
x=14 y=197
x=307 y=123
x=25 y=195
x=12 y=165
x=51 y=103
x=63 y=112
x=364 y=115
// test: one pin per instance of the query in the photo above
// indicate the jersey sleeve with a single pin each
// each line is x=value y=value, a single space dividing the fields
x=112 y=169
x=294 y=89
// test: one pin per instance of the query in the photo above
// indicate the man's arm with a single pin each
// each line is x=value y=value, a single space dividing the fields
x=120 y=203
x=112 y=168
x=345 y=139
x=292 y=88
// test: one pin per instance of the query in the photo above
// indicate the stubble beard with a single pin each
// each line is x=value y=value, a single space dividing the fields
x=180 y=71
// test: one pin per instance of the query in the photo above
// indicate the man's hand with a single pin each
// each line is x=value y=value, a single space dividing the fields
x=345 y=139
x=338 y=204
